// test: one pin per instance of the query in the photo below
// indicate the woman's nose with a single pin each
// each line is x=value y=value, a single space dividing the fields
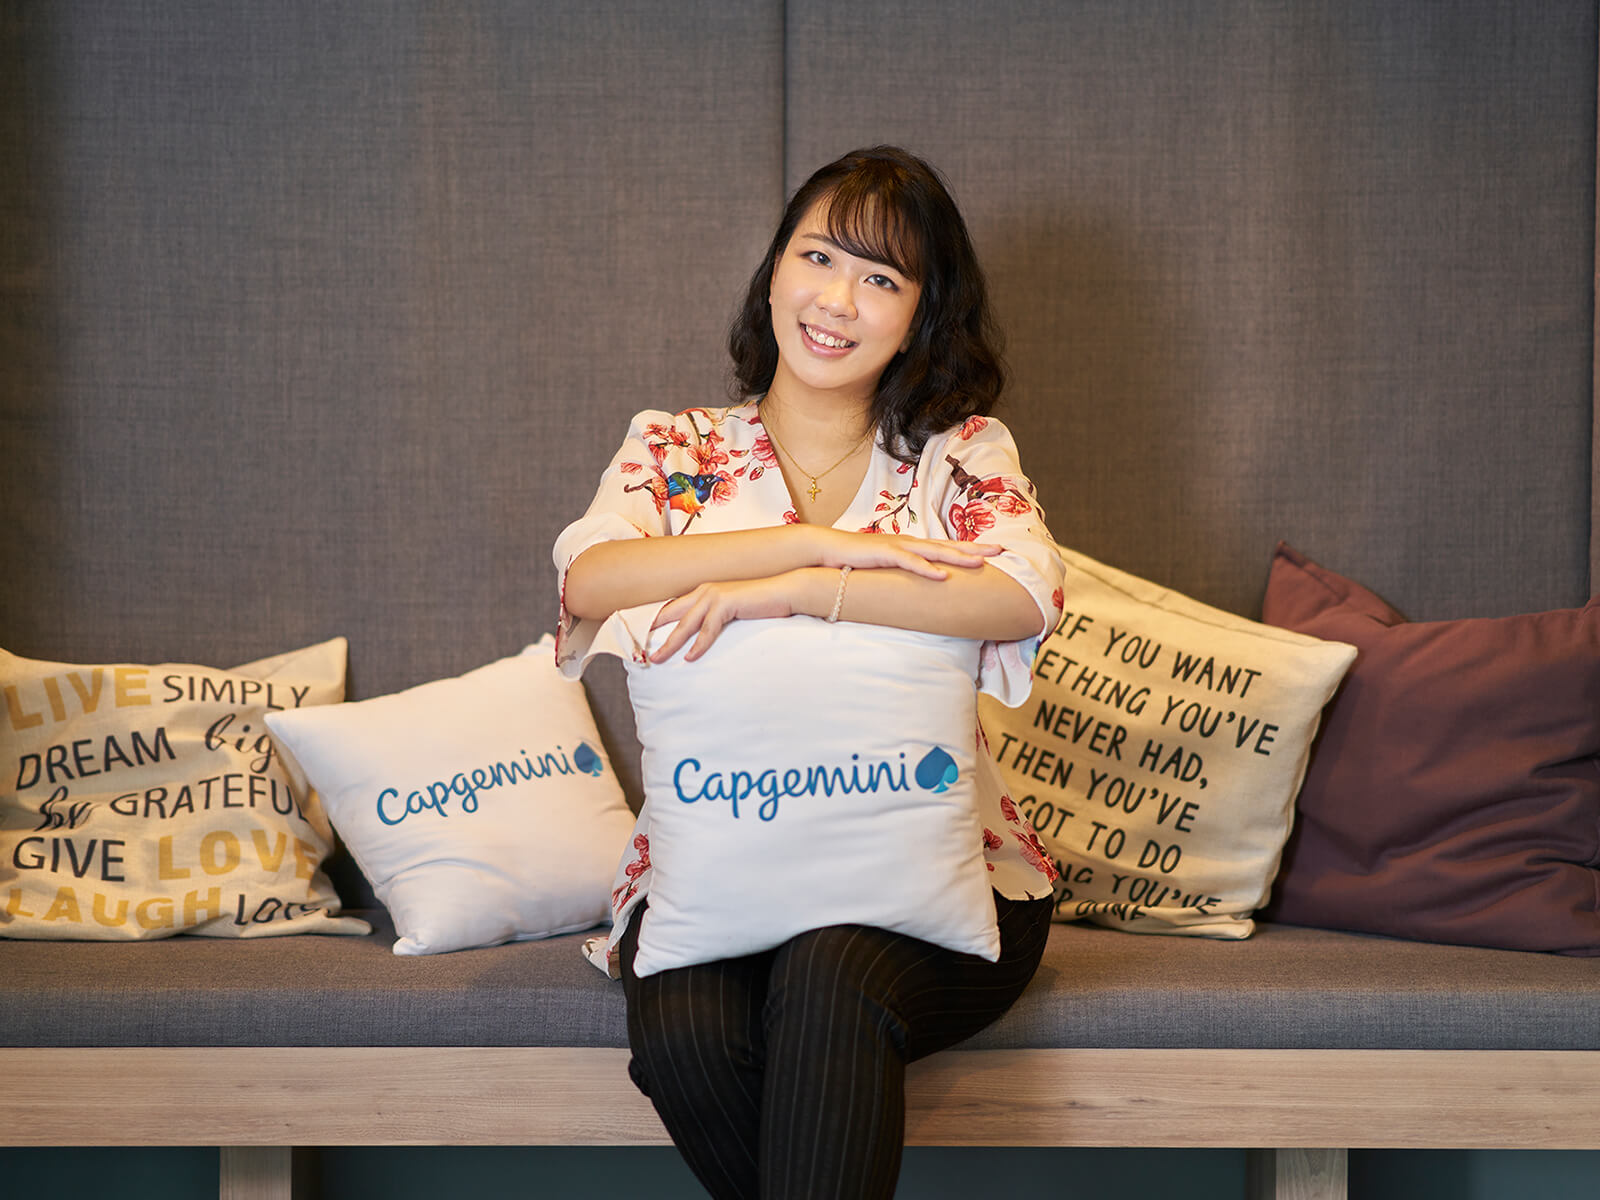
x=837 y=298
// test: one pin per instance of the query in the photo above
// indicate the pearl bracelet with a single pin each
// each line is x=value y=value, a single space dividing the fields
x=838 y=598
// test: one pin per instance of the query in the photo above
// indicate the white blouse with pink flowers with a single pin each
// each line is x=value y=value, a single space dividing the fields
x=710 y=470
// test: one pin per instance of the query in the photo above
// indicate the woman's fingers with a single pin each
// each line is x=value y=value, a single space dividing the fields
x=674 y=642
x=673 y=610
x=959 y=552
x=921 y=556
x=703 y=614
x=929 y=557
x=690 y=615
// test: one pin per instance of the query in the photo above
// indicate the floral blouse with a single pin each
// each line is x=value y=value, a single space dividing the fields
x=710 y=470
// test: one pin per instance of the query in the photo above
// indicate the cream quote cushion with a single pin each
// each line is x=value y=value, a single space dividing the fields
x=144 y=801
x=1161 y=751
x=482 y=808
x=801 y=775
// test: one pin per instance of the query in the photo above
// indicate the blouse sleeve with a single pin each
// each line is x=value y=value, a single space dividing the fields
x=631 y=502
x=981 y=495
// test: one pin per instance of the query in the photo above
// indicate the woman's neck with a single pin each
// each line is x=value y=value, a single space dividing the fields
x=822 y=450
x=815 y=424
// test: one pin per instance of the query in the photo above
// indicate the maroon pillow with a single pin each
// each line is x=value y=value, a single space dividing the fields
x=1454 y=792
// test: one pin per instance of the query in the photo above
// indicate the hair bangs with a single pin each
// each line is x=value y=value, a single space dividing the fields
x=867 y=215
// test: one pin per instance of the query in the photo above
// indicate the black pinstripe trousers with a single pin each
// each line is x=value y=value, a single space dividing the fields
x=782 y=1074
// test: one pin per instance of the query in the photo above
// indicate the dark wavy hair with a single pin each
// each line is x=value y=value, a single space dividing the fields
x=888 y=205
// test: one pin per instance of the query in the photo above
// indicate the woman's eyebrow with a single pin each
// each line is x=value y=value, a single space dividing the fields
x=843 y=249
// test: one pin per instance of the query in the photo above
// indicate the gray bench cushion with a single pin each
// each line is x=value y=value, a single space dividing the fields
x=1284 y=988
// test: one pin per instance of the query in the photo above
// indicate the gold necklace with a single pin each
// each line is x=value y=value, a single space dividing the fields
x=815 y=489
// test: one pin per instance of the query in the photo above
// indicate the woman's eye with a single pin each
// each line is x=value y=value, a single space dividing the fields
x=818 y=257
x=883 y=281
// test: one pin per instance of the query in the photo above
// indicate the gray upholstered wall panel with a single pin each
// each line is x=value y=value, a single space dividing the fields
x=1317 y=271
x=324 y=318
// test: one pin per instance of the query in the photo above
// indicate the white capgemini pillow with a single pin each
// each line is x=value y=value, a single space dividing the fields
x=801 y=775
x=482 y=808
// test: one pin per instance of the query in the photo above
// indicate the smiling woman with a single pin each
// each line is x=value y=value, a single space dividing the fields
x=885 y=207
x=851 y=481
x=840 y=319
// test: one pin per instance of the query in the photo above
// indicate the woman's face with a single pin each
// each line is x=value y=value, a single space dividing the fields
x=838 y=319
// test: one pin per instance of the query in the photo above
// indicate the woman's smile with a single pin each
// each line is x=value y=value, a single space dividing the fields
x=839 y=318
x=824 y=341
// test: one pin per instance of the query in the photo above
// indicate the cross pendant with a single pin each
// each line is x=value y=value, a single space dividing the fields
x=813 y=490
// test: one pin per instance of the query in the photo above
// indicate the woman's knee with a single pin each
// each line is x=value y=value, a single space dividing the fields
x=699 y=1022
x=838 y=979
x=691 y=1018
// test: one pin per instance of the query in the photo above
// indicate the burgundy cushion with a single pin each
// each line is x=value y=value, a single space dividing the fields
x=1454 y=792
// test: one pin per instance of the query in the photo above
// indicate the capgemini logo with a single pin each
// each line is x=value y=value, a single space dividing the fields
x=587 y=760
x=937 y=771
x=461 y=790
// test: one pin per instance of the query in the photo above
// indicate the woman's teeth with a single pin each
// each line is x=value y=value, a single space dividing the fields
x=824 y=339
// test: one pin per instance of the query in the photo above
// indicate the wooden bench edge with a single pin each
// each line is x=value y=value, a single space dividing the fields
x=310 y=1096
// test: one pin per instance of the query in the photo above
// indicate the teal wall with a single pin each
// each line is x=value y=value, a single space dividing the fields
x=566 y=1173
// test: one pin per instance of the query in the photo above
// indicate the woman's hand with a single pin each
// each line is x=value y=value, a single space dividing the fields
x=705 y=610
x=709 y=607
x=629 y=571
x=919 y=556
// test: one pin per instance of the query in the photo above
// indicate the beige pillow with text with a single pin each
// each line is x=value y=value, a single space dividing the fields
x=1160 y=752
x=142 y=801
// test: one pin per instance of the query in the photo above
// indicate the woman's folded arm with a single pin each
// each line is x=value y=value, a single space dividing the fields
x=626 y=572
x=979 y=602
